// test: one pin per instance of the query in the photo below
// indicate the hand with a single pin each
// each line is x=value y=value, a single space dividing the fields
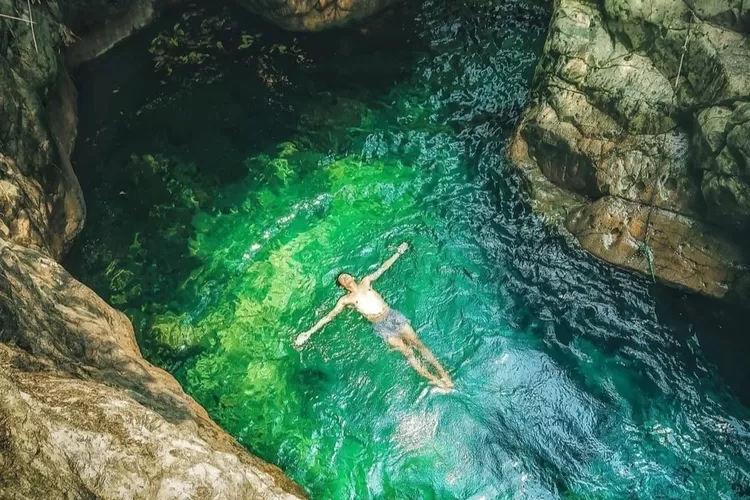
x=403 y=247
x=301 y=339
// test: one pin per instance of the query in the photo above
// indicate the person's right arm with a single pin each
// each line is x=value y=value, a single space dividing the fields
x=402 y=248
x=340 y=306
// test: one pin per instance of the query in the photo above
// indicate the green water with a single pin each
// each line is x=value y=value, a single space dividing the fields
x=227 y=187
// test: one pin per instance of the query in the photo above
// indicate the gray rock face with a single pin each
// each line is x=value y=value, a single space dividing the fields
x=723 y=145
x=609 y=120
x=41 y=205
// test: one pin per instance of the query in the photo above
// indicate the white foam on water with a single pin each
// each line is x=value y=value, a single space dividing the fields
x=414 y=431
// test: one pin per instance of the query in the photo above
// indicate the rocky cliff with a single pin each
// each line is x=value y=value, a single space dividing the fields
x=637 y=137
x=82 y=414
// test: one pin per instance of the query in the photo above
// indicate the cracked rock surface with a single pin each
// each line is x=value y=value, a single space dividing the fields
x=610 y=124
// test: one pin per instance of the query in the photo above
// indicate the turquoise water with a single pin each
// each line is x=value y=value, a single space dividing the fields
x=232 y=171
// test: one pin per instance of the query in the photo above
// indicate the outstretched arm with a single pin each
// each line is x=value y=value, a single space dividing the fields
x=402 y=248
x=304 y=336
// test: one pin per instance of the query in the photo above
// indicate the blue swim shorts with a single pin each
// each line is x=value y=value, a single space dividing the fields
x=391 y=325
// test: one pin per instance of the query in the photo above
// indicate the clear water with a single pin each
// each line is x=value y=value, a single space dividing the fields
x=227 y=188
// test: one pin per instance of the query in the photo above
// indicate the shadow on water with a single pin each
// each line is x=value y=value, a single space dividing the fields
x=227 y=187
x=718 y=328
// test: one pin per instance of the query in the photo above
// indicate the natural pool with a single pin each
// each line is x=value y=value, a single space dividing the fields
x=229 y=185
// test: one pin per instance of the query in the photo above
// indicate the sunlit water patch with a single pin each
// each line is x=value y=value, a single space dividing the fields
x=233 y=170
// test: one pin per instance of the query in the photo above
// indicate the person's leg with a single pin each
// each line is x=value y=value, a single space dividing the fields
x=398 y=344
x=410 y=338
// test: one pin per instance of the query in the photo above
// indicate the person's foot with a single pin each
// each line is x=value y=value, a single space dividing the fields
x=447 y=384
x=437 y=383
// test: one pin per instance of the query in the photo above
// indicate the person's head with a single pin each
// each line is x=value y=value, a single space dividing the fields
x=346 y=281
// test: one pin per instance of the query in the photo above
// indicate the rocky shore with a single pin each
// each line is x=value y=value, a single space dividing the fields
x=637 y=137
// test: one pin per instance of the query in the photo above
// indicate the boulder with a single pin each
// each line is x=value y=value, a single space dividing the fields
x=101 y=24
x=83 y=415
x=41 y=205
x=644 y=103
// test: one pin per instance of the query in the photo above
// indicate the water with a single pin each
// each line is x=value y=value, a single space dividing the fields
x=228 y=187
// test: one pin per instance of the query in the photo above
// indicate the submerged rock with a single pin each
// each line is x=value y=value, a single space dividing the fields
x=609 y=121
x=97 y=25
x=104 y=23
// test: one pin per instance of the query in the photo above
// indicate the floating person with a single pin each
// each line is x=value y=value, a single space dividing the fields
x=389 y=324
